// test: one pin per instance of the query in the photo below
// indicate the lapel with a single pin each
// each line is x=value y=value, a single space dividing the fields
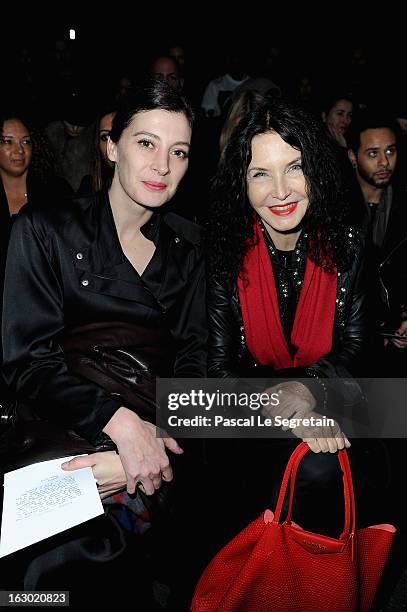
x=99 y=259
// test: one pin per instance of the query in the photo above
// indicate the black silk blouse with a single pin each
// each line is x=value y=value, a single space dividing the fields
x=65 y=268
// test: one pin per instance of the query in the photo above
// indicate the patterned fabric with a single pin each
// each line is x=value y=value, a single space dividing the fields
x=134 y=515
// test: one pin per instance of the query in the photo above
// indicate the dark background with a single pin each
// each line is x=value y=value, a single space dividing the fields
x=318 y=42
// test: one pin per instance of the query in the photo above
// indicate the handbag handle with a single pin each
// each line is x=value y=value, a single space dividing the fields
x=298 y=453
x=291 y=473
x=348 y=491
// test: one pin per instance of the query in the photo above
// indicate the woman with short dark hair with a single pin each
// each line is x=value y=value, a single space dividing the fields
x=114 y=278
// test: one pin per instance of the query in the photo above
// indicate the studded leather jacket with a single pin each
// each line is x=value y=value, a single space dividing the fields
x=229 y=355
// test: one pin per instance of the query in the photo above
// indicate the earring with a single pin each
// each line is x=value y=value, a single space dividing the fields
x=354 y=165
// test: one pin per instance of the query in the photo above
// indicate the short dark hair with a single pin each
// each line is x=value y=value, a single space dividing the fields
x=151 y=95
x=369 y=120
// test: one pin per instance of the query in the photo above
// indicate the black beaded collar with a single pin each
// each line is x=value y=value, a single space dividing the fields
x=298 y=260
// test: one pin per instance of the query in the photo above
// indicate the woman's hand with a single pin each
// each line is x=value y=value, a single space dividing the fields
x=323 y=439
x=295 y=400
x=336 y=134
x=402 y=331
x=107 y=470
x=142 y=453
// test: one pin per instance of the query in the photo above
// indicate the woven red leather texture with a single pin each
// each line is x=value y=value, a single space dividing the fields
x=279 y=566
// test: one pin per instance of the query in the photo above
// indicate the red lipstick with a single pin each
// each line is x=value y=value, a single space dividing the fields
x=154 y=186
x=283 y=210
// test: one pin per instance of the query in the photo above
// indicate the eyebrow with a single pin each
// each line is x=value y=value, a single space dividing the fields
x=389 y=146
x=294 y=161
x=142 y=132
x=12 y=136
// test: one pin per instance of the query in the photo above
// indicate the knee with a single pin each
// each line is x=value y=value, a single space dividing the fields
x=319 y=468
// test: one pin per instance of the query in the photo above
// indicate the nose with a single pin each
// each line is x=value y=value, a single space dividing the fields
x=384 y=160
x=281 y=189
x=161 y=163
x=18 y=148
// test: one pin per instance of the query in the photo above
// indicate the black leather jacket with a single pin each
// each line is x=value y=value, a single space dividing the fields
x=392 y=262
x=387 y=268
x=229 y=355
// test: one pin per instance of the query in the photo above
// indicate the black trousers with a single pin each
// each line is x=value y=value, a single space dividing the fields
x=96 y=562
x=247 y=475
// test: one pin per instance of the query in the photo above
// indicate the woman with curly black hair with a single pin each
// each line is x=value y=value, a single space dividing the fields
x=286 y=297
x=27 y=165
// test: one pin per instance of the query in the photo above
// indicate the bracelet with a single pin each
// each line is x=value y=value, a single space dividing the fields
x=313 y=374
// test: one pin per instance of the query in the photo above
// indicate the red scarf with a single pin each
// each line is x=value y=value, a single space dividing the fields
x=312 y=330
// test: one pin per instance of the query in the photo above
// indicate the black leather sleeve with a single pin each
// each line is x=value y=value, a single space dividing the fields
x=189 y=326
x=347 y=355
x=33 y=316
x=224 y=331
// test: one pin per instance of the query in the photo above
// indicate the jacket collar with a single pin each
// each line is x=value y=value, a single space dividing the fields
x=104 y=251
x=100 y=246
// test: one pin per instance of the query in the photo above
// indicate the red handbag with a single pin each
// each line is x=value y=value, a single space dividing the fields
x=273 y=565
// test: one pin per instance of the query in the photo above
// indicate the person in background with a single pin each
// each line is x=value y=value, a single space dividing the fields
x=102 y=167
x=178 y=53
x=379 y=208
x=71 y=137
x=219 y=90
x=337 y=116
x=15 y=158
x=241 y=105
x=27 y=169
x=168 y=69
x=27 y=175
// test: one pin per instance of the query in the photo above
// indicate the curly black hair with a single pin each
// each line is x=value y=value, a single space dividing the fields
x=230 y=227
x=43 y=163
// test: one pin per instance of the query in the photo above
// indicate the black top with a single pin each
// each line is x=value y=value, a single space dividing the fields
x=287 y=291
x=377 y=218
x=66 y=268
